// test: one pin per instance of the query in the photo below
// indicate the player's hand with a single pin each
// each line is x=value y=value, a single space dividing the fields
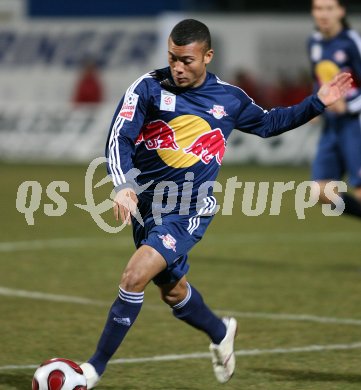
x=125 y=205
x=339 y=107
x=331 y=92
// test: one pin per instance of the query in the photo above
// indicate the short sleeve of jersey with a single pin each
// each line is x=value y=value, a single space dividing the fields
x=354 y=100
x=355 y=54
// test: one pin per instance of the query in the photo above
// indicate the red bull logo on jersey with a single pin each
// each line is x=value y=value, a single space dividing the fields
x=340 y=56
x=168 y=241
x=184 y=141
x=209 y=145
x=157 y=135
x=217 y=111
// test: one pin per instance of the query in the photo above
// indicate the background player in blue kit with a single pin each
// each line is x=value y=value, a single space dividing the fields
x=171 y=128
x=333 y=48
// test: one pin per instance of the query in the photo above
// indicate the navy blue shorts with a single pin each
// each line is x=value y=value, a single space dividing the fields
x=173 y=238
x=339 y=151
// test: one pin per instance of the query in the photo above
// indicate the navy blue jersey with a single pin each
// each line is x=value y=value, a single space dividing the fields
x=178 y=134
x=339 y=147
x=331 y=56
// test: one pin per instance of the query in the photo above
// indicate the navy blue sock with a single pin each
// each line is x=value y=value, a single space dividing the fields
x=352 y=205
x=194 y=312
x=122 y=315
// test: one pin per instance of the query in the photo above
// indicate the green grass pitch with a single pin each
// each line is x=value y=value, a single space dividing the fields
x=269 y=271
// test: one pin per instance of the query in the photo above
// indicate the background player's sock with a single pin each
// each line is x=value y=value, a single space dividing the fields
x=194 y=312
x=352 y=205
x=122 y=315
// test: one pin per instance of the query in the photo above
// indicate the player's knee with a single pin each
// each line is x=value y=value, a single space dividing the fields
x=133 y=280
x=175 y=295
x=318 y=193
x=323 y=199
x=170 y=299
x=358 y=194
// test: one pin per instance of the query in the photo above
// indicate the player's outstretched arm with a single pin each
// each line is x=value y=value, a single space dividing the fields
x=331 y=92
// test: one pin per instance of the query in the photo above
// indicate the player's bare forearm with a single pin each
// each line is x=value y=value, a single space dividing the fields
x=337 y=88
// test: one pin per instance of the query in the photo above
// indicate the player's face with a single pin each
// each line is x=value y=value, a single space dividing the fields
x=327 y=15
x=188 y=63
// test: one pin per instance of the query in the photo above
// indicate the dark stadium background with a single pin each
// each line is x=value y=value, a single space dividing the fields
x=113 y=8
x=294 y=284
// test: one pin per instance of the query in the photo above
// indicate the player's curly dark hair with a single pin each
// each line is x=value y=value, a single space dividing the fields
x=190 y=30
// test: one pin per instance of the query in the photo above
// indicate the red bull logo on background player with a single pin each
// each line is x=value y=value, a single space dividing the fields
x=184 y=141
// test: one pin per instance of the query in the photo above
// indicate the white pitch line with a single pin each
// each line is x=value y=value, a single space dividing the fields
x=287 y=237
x=332 y=237
x=14 y=246
x=4 y=291
x=207 y=355
x=292 y=317
x=9 y=292
x=244 y=352
x=20 y=367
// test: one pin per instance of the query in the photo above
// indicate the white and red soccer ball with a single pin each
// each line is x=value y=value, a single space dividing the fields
x=59 y=374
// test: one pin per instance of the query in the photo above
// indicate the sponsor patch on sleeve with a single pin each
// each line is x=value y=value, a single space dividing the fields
x=129 y=106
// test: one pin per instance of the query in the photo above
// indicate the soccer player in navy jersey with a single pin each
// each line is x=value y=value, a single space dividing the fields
x=165 y=146
x=335 y=47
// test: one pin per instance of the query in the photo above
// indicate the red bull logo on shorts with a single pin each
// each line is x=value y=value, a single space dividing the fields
x=184 y=141
x=168 y=241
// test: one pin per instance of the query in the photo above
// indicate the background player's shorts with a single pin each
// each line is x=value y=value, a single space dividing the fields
x=339 y=151
x=173 y=238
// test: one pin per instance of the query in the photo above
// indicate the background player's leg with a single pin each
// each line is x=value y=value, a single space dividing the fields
x=358 y=194
x=350 y=144
x=352 y=203
x=188 y=305
x=142 y=267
